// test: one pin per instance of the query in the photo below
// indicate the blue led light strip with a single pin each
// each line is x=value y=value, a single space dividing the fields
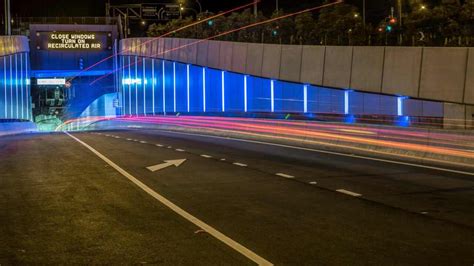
x=272 y=95
x=204 y=89
x=144 y=87
x=129 y=86
x=174 y=87
x=245 y=92
x=223 y=90
x=153 y=81
x=187 y=87
x=136 y=85
x=164 y=87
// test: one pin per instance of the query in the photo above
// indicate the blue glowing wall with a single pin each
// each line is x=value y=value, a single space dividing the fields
x=15 y=100
x=154 y=86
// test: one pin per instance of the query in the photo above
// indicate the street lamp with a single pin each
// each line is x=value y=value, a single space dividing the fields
x=422 y=7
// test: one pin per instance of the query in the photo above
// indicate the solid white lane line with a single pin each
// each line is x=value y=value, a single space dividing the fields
x=206 y=156
x=209 y=229
x=347 y=192
x=180 y=150
x=284 y=175
x=326 y=152
x=240 y=164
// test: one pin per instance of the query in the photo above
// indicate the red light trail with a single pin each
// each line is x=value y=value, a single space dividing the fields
x=225 y=33
x=166 y=34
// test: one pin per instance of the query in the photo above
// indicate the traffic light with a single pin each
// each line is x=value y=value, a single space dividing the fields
x=274 y=32
x=393 y=21
x=388 y=28
x=210 y=22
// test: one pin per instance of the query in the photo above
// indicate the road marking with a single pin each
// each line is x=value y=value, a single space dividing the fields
x=284 y=175
x=313 y=183
x=167 y=163
x=144 y=142
x=209 y=229
x=223 y=159
x=169 y=147
x=180 y=150
x=347 y=192
x=158 y=145
x=129 y=139
x=325 y=152
x=117 y=137
x=206 y=156
x=240 y=164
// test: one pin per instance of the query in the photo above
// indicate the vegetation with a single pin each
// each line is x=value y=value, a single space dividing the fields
x=446 y=24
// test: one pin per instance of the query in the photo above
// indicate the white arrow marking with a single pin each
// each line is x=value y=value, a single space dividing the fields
x=167 y=163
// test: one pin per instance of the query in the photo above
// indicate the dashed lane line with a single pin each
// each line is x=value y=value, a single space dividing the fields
x=347 y=192
x=240 y=164
x=284 y=175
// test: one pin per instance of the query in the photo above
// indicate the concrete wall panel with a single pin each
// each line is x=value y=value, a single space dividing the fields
x=225 y=56
x=168 y=45
x=183 y=52
x=239 y=57
x=454 y=116
x=254 y=59
x=312 y=64
x=213 y=54
x=337 y=70
x=402 y=70
x=271 y=61
x=202 y=53
x=469 y=90
x=290 y=67
x=443 y=74
x=176 y=49
x=367 y=68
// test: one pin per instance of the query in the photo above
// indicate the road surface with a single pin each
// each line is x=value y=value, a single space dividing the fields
x=90 y=198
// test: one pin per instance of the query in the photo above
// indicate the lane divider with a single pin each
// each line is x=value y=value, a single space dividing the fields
x=347 y=192
x=209 y=229
x=240 y=164
x=285 y=175
x=206 y=156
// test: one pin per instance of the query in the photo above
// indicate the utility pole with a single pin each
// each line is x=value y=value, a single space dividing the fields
x=8 y=19
x=255 y=9
x=400 y=7
x=276 y=4
x=363 y=12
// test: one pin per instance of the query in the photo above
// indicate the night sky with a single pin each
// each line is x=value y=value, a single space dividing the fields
x=55 y=8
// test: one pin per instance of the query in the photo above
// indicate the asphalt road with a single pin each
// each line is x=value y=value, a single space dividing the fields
x=62 y=203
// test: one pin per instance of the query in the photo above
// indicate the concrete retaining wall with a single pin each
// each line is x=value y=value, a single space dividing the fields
x=439 y=74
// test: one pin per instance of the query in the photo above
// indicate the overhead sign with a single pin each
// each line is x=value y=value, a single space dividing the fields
x=57 y=82
x=80 y=40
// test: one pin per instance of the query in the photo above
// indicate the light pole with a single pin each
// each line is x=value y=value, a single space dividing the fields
x=200 y=7
x=255 y=9
x=276 y=4
x=8 y=19
x=363 y=12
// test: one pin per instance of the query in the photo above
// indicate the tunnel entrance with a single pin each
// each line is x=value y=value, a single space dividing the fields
x=71 y=67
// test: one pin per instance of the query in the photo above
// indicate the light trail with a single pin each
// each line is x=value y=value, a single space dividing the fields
x=226 y=33
x=166 y=34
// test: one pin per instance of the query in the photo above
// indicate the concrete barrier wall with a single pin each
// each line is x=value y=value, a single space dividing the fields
x=13 y=44
x=441 y=74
